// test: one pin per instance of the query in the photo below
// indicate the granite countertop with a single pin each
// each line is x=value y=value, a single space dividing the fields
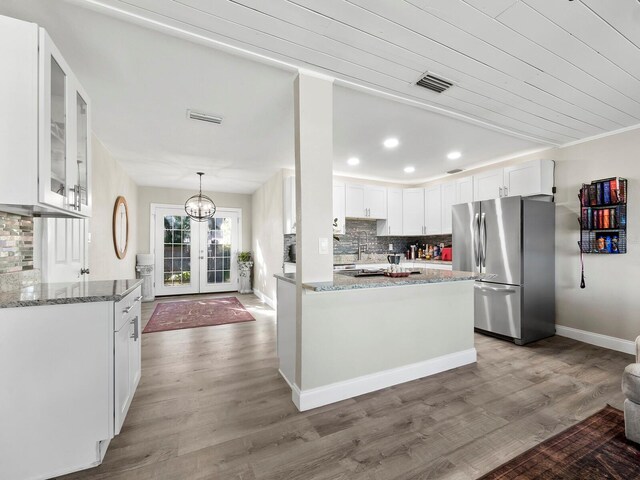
x=371 y=261
x=65 y=293
x=342 y=281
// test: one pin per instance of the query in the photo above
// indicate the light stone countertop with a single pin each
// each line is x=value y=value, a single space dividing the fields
x=344 y=281
x=66 y=293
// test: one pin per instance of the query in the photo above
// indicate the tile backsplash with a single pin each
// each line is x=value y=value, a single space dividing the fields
x=16 y=243
x=366 y=231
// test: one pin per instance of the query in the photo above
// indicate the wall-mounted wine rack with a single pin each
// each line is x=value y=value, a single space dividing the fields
x=603 y=219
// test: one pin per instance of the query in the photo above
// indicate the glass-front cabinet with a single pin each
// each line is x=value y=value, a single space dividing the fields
x=65 y=156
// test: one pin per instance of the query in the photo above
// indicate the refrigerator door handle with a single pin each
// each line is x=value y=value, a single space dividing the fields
x=483 y=240
x=494 y=289
x=476 y=239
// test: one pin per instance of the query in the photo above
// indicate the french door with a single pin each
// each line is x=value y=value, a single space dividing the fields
x=195 y=257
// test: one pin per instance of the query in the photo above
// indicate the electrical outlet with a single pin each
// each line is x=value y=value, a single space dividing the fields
x=323 y=246
x=391 y=247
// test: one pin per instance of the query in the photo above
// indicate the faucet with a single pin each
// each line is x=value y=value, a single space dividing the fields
x=362 y=248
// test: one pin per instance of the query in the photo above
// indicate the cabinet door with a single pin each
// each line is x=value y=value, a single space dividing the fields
x=413 y=211
x=81 y=164
x=375 y=202
x=354 y=201
x=339 y=208
x=394 y=211
x=289 y=200
x=433 y=210
x=529 y=178
x=122 y=374
x=488 y=185
x=464 y=190
x=448 y=200
x=55 y=85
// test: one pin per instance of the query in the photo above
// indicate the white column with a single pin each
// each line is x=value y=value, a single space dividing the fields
x=313 y=104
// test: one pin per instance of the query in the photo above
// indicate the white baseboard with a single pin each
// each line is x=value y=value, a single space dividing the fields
x=612 y=343
x=335 y=392
x=272 y=303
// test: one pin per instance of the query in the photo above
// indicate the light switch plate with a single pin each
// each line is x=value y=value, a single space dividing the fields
x=323 y=246
x=391 y=247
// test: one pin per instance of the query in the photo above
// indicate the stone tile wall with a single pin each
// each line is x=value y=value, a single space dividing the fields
x=16 y=243
x=366 y=231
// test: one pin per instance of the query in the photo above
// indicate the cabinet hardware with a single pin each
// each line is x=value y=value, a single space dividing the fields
x=135 y=333
x=137 y=299
x=84 y=271
x=389 y=229
x=128 y=309
x=506 y=191
x=500 y=191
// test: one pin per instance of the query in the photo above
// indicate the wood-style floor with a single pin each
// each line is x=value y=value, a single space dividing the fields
x=211 y=405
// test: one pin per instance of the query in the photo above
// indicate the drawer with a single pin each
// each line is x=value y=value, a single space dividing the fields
x=127 y=308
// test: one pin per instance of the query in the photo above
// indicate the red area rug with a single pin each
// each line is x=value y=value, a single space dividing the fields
x=197 y=313
x=594 y=449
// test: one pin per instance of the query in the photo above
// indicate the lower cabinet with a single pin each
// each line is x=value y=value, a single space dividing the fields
x=127 y=356
x=69 y=373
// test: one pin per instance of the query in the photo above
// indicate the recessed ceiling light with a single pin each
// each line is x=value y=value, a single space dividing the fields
x=409 y=169
x=353 y=161
x=391 y=143
x=454 y=155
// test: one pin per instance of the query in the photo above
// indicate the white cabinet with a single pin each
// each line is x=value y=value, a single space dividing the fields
x=393 y=224
x=413 y=211
x=449 y=199
x=526 y=179
x=464 y=190
x=365 y=201
x=289 y=205
x=529 y=178
x=127 y=354
x=433 y=210
x=354 y=201
x=488 y=185
x=47 y=127
x=339 y=207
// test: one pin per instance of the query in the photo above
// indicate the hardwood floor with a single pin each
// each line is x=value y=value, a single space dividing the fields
x=211 y=405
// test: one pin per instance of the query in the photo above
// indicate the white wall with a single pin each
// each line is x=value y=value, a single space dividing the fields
x=176 y=196
x=109 y=180
x=267 y=238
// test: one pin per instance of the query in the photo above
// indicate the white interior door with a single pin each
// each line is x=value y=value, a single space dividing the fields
x=65 y=249
x=195 y=257
x=219 y=252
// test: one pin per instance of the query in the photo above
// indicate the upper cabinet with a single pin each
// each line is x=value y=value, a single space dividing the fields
x=366 y=201
x=289 y=205
x=393 y=224
x=46 y=127
x=526 y=179
x=339 y=207
x=433 y=210
x=529 y=179
x=413 y=211
x=449 y=199
x=464 y=190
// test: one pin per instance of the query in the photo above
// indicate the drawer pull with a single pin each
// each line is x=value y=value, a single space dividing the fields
x=135 y=333
x=127 y=310
x=137 y=299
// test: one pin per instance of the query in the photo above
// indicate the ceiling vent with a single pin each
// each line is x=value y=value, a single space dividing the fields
x=203 y=117
x=455 y=170
x=434 y=83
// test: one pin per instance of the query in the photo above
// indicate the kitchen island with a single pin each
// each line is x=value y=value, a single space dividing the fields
x=355 y=335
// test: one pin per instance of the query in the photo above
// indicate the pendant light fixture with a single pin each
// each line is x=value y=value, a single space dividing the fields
x=200 y=207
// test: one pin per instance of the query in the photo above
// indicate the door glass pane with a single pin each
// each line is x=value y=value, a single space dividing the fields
x=177 y=250
x=58 y=129
x=83 y=143
x=219 y=250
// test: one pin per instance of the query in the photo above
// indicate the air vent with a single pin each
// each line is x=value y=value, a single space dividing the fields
x=455 y=170
x=203 y=117
x=436 y=84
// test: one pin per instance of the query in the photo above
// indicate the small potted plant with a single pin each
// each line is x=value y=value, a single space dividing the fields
x=245 y=264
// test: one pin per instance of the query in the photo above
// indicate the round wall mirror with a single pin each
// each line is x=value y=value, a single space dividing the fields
x=121 y=227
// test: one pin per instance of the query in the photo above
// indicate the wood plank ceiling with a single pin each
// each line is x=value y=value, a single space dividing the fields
x=551 y=70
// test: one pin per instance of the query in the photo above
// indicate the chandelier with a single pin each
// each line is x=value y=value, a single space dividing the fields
x=200 y=207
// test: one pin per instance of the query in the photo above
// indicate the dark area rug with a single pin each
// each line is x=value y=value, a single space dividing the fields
x=197 y=313
x=594 y=449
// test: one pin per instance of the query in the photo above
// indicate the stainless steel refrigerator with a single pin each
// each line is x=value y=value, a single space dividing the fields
x=513 y=240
